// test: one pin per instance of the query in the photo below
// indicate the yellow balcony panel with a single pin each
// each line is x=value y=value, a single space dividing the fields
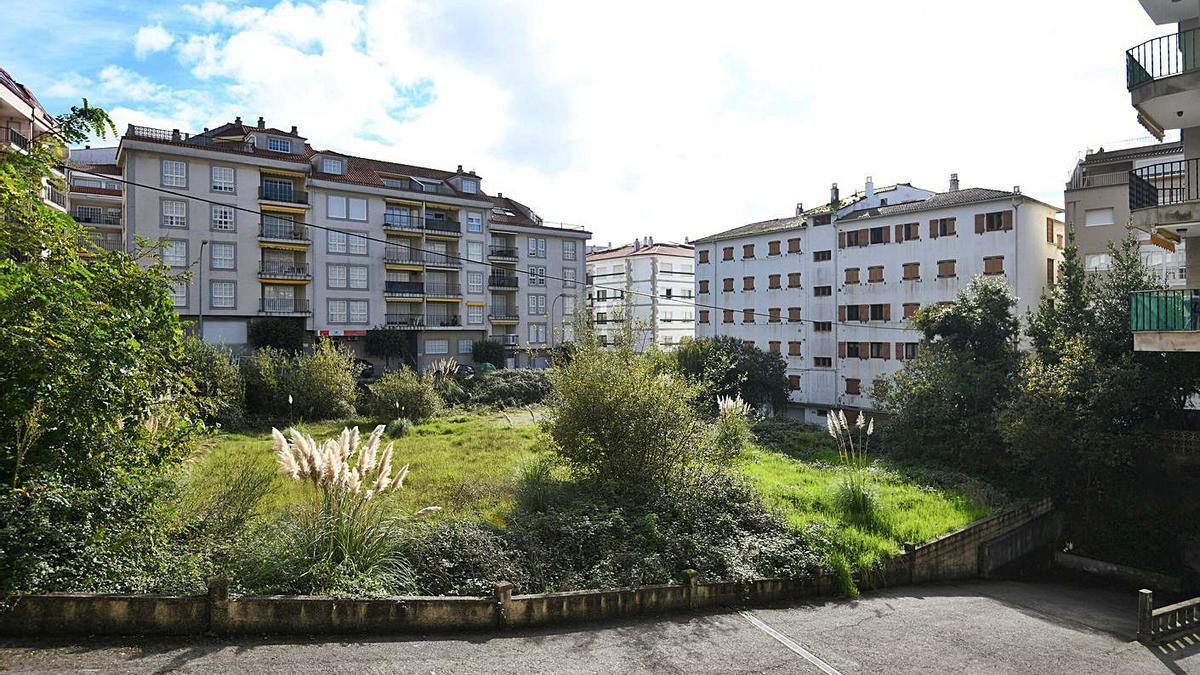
x=397 y=267
x=432 y=298
x=302 y=248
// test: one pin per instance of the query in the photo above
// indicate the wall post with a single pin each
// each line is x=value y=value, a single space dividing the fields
x=503 y=593
x=1145 y=616
x=910 y=555
x=690 y=579
x=218 y=604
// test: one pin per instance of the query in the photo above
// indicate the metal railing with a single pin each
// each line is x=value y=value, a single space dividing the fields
x=153 y=134
x=506 y=339
x=284 y=306
x=401 y=222
x=282 y=270
x=400 y=254
x=502 y=252
x=449 y=226
x=443 y=320
x=404 y=287
x=17 y=139
x=53 y=194
x=1098 y=180
x=1164 y=310
x=278 y=193
x=404 y=320
x=1164 y=184
x=1161 y=57
x=496 y=281
x=288 y=231
x=102 y=220
x=442 y=259
x=415 y=186
x=504 y=314
x=442 y=289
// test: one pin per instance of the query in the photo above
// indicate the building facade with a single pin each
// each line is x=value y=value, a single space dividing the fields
x=646 y=288
x=95 y=191
x=270 y=226
x=23 y=120
x=832 y=289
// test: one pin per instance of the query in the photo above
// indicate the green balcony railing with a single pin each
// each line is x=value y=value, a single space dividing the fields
x=1164 y=310
x=1161 y=57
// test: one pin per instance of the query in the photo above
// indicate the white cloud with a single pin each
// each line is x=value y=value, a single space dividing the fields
x=151 y=39
x=638 y=119
x=69 y=85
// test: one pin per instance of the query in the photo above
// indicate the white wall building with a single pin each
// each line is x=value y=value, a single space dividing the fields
x=831 y=289
x=647 y=284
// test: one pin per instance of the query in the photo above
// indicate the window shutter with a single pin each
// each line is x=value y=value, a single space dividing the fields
x=864 y=350
x=899 y=351
x=841 y=350
x=841 y=240
x=887 y=235
x=950 y=225
x=979 y=223
x=1006 y=221
x=899 y=233
x=864 y=312
x=887 y=312
x=933 y=229
x=887 y=351
x=1049 y=230
x=841 y=312
x=864 y=237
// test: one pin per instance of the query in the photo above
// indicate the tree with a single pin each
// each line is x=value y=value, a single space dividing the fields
x=943 y=404
x=277 y=332
x=727 y=367
x=1064 y=311
x=488 y=351
x=219 y=386
x=390 y=344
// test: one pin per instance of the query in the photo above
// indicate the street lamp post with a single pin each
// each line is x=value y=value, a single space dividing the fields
x=552 y=303
x=200 y=294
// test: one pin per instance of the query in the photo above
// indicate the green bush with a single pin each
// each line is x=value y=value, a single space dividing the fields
x=276 y=332
x=220 y=390
x=399 y=427
x=322 y=383
x=488 y=351
x=403 y=393
x=265 y=375
x=461 y=558
x=512 y=387
x=727 y=367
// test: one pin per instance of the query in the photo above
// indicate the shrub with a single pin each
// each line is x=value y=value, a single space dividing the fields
x=858 y=502
x=322 y=383
x=265 y=375
x=276 y=332
x=488 y=351
x=390 y=344
x=512 y=387
x=462 y=558
x=446 y=381
x=731 y=430
x=401 y=426
x=728 y=367
x=403 y=393
x=220 y=389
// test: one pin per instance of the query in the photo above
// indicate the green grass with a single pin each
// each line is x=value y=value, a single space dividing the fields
x=800 y=476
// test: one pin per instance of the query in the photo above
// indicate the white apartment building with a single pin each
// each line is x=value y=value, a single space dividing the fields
x=646 y=285
x=22 y=120
x=344 y=244
x=831 y=289
x=95 y=194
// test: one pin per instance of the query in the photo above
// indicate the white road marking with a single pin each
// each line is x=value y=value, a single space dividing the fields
x=790 y=644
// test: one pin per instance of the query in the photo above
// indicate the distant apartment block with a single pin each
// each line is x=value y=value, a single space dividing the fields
x=644 y=287
x=832 y=288
x=95 y=193
x=23 y=120
x=345 y=244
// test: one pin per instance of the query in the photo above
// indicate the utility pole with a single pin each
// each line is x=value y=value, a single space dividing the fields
x=200 y=295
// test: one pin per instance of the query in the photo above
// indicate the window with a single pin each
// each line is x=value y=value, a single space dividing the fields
x=335 y=241
x=773 y=247
x=794 y=382
x=359 y=311
x=222 y=179
x=174 y=213
x=537 y=247
x=727 y=316
x=747 y=283
x=908 y=231
x=822 y=362
x=570 y=250
x=331 y=165
x=881 y=312
x=793 y=280
x=568 y=304
x=474 y=314
x=222 y=218
x=910 y=351
x=875 y=274
x=993 y=222
x=703 y=256
x=822 y=326
x=174 y=173
x=704 y=316
x=855 y=238
x=876 y=350
x=537 y=333
x=704 y=286
x=773 y=346
x=727 y=253
x=1094 y=217
x=852 y=275
x=774 y=280
x=174 y=253
x=178 y=294
x=88 y=214
x=993 y=265
x=747 y=316
x=338 y=276
x=224 y=295
x=474 y=222
x=774 y=314
x=465 y=346
x=748 y=251
x=941 y=227
x=822 y=291
x=358 y=277
x=358 y=208
x=793 y=348
x=793 y=313
x=341 y=207
x=748 y=343
x=474 y=282
x=853 y=350
x=537 y=304
x=223 y=256
x=335 y=206
x=475 y=251
x=279 y=144
x=727 y=285
x=437 y=346
x=1097 y=262
x=945 y=269
x=910 y=309
x=879 y=235
x=852 y=386
x=853 y=313
x=339 y=311
x=822 y=256
x=568 y=275
x=357 y=244
x=1049 y=230
x=912 y=271
x=470 y=186
x=537 y=275
x=794 y=245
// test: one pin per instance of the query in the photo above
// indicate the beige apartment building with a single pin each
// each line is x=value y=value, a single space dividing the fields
x=22 y=120
x=344 y=244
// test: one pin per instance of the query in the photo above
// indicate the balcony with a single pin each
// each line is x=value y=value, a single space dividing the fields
x=404 y=288
x=443 y=226
x=402 y=255
x=506 y=339
x=284 y=306
x=443 y=290
x=402 y=222
x=502 y=283
x=443 y=321
x=1162 y=76
x=111 y=221
x=55 y=196
x=1166 y=195
x=278 y=193
x=283 y=232
x=1165 y=320
x=16 y=139
x=279 y=269
x=405 y=321
x=503 y=314
x=442 y=260
x=502 y=253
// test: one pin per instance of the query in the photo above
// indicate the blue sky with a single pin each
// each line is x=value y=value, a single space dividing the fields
x=630 y=118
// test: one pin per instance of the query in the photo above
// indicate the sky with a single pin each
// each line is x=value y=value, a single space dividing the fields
x=632 y=119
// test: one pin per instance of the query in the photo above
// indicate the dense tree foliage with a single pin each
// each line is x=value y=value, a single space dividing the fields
x=390 y=344
x=318 y=384
x=277 y=332
x=488 y=351
x=726 y=366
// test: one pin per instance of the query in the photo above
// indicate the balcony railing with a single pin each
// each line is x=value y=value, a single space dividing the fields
x=17 y=139
x=398 y=221
x=54 y=195
x=287 y=231
x=414 y=186
x=1164 y=184
x=502 y=252
x=443 y=320
x=1161 y=57
x=442 y=259
x=404 y=288
x=449 y=226
x=284 y=306
x=403 y=320
x=503 y=314
x=1164 y=310
x=445 y=290
x=506 y=339
x=402 y=255
x=278 y=269
x=277 y=193
x=98 y=220
x=496 y=281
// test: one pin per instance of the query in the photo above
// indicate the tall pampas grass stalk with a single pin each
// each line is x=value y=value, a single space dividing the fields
x=854 y=496
x=852 y=440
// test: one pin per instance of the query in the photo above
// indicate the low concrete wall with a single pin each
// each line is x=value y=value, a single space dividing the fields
x=1129 y=575
x=957 y=555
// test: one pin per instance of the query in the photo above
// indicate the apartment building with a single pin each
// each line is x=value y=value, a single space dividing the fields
x=1163 y=80
x=831 y=289
x=94 y=191
x=344 y=244
x=1096 y=202
x=645 y=286
x=22 y=120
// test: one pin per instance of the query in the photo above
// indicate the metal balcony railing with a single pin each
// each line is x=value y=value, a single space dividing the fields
x=278 y=269
x=502 y=252
x=442 y=259
x=288 y=231
x=443 y=320
x=445 y=290
x=504 y=314
x=402 y=255
x=284 y=306
x=404 y=288
x=98 y=220
x=405 y=320
x=1161 y=57
x=401 y=221
x=445 y=226
x=54 y=195
x=506 y=339
x=1164 y=184
x=1164 y=310
x=17 y=139
x=280 y=193
x=497 y=281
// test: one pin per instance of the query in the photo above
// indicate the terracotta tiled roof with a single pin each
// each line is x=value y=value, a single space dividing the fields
x=936 y=201
x=21 y=91
x=669 y=248
x=521 y=214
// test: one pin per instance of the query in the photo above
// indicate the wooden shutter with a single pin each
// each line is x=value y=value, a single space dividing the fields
x=887 y=351
x=747 y=316
x=841 y=350
x=933 y=229
x=1049 y=230
x=864 y=350
x=887 y=312
x=841 y=240
x=864 y=312
x=887 y=236
x=899 y=233
x=1006 y=221
x=864 y=237
x=793 y=245
x=980 y=220
x=704 y=316
x=703 y=256
x=841 y=313
x=773 y=248
x=950 y=225
x=793 y=349
x=899 y=351
x=704 y=285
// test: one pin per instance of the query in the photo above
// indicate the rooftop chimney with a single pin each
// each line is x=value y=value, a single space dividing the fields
x=472 y=172
x=637 y=244
x=262 y=124
x=833 y=195
x=206 y=130
x=954 y=182
x=87 y=147
x=1016 y=189
x=870 y=187
x=649 y=240
x=459 y=168
x=237 y=120
x=295 y=131
x=499 y=195
x=799 y=208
